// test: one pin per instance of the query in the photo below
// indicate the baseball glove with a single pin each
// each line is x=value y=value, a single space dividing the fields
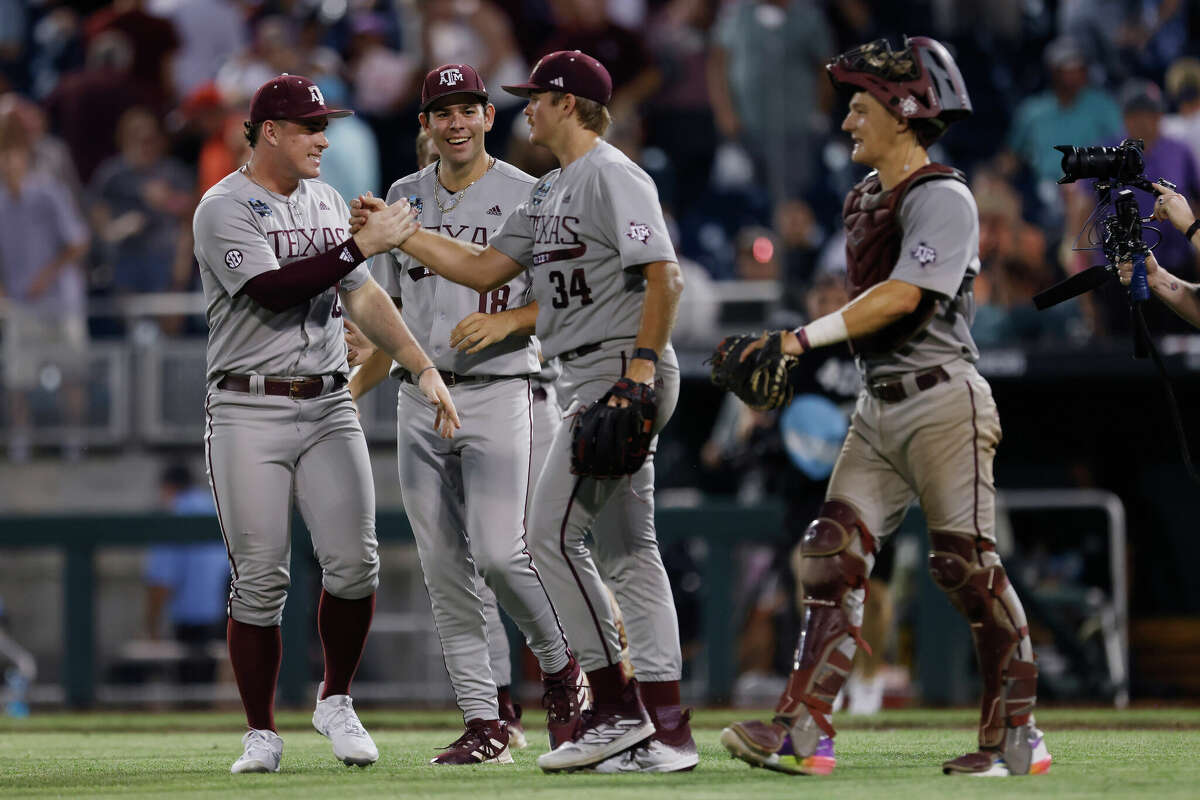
x=610 y=441
x=761 y=379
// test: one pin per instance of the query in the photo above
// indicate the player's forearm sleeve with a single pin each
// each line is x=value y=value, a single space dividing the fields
x=298 y=282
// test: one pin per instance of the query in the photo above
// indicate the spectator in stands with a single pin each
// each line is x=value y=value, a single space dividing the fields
x=1183 y=87
x=187 y=585
x=86 y=104
x=1014 y=267
x=211 y=32
x=154 y=41
x=42 y=284
x=1069 y=112
x=50 y=154
x=800 y=237
x=767 y=82
x=679 y=118
x=139 y=201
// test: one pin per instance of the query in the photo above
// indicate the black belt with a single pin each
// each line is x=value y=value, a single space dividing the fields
x=454 y=378
x=582 y=350
x=893 y=390
x=304 y=388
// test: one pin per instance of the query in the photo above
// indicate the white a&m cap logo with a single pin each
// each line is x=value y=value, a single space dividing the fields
x=316 y=95
x=556 y=81
x=450 y=77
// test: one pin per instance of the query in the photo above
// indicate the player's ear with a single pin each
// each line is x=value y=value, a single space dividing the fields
x=423 y=119
x=270 y=131
x=489 y=117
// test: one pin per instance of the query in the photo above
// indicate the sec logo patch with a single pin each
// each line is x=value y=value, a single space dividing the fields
x=233 y=258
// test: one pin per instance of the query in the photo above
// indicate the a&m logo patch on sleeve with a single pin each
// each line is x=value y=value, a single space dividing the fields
x=924 y=254
x=639 y=232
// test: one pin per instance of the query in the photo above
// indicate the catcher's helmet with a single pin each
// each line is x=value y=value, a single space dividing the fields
x=921 y=81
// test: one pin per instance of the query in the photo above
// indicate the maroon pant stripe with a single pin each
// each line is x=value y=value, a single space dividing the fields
x=529 y=483
x=562 y=545
x=216 y=497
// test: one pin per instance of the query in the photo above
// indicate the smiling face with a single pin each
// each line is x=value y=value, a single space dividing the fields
x=456 y=128
x=874 y=132
x=299 y=145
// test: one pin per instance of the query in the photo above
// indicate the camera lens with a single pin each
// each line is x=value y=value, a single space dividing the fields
x=1079 y=163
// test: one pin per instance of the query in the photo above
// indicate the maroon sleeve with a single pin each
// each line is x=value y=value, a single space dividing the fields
x=298 y=282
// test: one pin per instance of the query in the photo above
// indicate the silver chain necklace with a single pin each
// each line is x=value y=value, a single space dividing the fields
x=456 y=198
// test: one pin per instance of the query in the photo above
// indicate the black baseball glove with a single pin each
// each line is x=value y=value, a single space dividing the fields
x=761 y=378
x=611 y=441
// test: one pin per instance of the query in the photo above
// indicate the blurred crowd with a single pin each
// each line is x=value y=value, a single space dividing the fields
x=116 y=117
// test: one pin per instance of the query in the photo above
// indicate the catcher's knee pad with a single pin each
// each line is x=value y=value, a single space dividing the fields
x=832 y=566
x=971 y=574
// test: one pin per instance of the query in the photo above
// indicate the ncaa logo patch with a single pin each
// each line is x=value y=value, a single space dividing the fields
x=259 y=207
x=924 y=254
x=639 y=232
x=233 y=258
x=415 y=203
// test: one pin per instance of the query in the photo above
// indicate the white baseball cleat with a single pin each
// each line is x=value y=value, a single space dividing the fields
x=334 y=718
x=652 y=756
x=261 y=752
x=602 y=736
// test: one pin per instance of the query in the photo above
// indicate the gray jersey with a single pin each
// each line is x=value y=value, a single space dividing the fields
x=584 y=232
x=432 y=305
x=243 y=230
x=939 y=253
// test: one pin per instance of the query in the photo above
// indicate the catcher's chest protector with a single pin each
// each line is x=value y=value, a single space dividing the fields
x=873 y=232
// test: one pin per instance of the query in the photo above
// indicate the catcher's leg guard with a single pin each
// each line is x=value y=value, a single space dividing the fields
x=837 y=550
x=969 y=571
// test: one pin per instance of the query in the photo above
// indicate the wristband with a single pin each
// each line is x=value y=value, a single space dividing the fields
x=421 y=371
x=1191 y=231
x=829 y=329
x=646 y=354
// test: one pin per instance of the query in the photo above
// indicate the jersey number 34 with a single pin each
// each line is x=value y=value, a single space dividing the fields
x=564 y=291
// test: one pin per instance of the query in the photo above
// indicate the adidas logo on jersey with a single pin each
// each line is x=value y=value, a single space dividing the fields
x=323 y=206
x=556 y=82
x=345 y=256
x=494 y=211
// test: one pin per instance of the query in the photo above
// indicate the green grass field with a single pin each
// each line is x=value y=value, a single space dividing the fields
x=1097 y=753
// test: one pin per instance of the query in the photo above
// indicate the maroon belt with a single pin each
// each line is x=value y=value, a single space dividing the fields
x=296 y=388
x=893 y=390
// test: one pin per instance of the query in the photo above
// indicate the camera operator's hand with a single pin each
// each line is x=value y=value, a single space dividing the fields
x=1173 y=206
x=1125 y=268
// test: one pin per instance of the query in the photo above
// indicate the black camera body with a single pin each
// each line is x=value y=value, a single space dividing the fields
x=1117 y=171
x=1120 y=164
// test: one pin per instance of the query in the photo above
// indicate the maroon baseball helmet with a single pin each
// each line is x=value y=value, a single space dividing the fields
x=451 y=79
x=920 y=81
x=570 y=71
x=290 y=97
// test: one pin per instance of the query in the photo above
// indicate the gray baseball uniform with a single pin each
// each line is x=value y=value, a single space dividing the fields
x=264 y=449
x=584 y=232
x=459 y=494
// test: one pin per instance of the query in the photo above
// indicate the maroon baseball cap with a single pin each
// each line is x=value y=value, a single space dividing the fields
x=570 y=71
x=290 y=97
x=451 y=79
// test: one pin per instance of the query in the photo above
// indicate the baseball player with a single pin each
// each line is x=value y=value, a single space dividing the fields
x=606 y=282
x=466 y=499
x=276 y=264
x=925 y=425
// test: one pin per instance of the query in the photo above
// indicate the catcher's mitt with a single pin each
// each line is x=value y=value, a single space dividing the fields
x=610 y=441
x=761 y=379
